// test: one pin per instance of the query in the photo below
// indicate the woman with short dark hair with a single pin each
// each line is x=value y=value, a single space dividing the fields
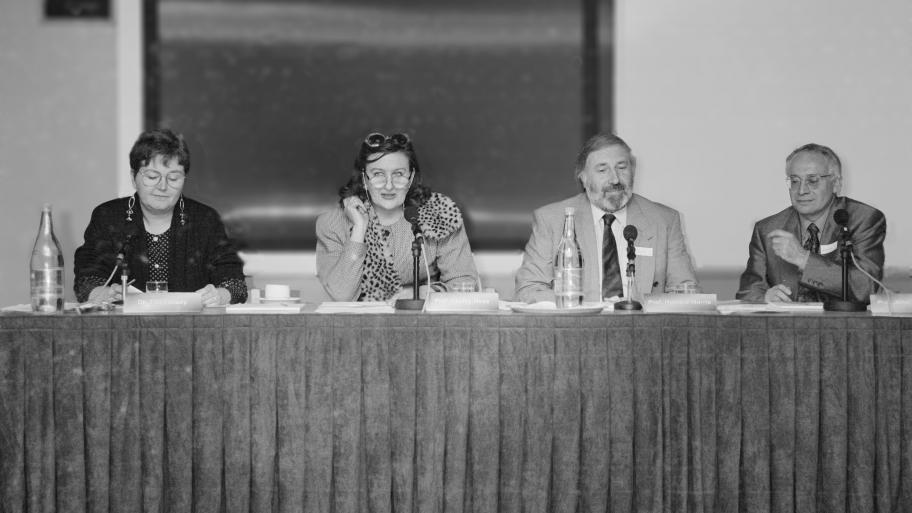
x=158 y=233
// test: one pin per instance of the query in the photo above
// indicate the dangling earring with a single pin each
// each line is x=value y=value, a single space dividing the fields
x=183 y=216
x=130 y=203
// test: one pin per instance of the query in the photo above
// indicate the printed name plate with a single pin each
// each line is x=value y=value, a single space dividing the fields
x=887 y=304
x=163 y=302
x=679 y=303
x=461 y=302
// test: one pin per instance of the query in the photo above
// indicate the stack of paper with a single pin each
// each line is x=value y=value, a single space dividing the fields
x=355 y=307
x=264 y=308
x=728 y=307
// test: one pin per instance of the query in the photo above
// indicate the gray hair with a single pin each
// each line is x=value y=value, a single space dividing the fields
x=595 y=143
x=834 y=165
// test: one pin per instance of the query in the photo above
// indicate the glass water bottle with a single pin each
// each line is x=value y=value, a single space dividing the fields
x=568 y=267
x=46 y=268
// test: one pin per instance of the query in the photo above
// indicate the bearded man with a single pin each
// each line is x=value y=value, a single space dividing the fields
x=605 y=168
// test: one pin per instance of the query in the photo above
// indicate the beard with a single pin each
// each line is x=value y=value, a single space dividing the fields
x=610 y=198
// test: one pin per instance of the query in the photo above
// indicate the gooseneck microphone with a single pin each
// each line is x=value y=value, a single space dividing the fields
x=411 y=215
x=123 y=258
x=841 y=217
x=630 y=235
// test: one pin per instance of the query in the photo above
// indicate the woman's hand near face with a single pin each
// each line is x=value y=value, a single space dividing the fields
x=356 y=212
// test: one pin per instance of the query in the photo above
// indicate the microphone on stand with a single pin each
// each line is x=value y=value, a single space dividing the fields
x=122 y=262
x=630 y=235
x=841 y=217
x=411 y=215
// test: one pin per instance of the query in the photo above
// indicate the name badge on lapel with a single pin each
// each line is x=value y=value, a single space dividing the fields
x=828 y=248
x=641 y=251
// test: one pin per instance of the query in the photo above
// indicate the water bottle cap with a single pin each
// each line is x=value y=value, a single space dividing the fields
x=46 y=207
x=569 y=211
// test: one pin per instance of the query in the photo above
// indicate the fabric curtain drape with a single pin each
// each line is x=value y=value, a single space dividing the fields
x=498 y=413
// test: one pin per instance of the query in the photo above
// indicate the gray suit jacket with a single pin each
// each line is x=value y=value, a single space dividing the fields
x=659 y=228
x=823 y=273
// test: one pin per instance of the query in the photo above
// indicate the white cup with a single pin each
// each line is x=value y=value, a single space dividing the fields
x=273 y=291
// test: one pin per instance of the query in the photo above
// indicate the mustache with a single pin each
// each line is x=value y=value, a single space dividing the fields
x=618 y=187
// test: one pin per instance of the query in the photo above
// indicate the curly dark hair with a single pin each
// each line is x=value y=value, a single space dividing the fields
x=379 y=147
x=159 y=142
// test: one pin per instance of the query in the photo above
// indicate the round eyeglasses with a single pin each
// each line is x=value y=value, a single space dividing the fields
x=812 y=181
x=379 y=179
x=376 y=139
x=152 y=178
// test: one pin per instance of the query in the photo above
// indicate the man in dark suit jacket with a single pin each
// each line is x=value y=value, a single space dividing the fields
x=794 y=254
x=605 y=168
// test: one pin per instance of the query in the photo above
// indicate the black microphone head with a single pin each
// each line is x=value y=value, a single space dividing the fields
x=630 y=232
x=411 y=215
x=841 y=217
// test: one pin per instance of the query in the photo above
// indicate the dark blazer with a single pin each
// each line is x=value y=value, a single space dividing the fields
x=823 y=273
x=659 y=228
x=201 y=252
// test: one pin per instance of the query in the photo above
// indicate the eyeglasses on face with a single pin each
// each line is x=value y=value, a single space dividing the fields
x=379 y=179
x=376 y=139
x=812 y=181
x=151 y=178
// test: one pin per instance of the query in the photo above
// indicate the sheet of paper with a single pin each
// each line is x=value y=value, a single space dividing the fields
x=355 y=307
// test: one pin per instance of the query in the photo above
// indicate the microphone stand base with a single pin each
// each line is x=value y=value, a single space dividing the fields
x=628 y=305
x=410 y=304
x=838 y=305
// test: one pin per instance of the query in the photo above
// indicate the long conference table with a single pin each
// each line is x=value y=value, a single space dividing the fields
x=489 y=413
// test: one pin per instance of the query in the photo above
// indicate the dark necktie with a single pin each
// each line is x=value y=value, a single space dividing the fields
x=611 y=270
x=812 y=243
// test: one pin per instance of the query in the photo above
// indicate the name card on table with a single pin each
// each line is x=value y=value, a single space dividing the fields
x=461 y=302
x=888 y=304
x=163 y=302
x=679 y=303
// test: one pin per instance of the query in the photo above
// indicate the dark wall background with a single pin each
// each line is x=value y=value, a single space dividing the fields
x=275 y=98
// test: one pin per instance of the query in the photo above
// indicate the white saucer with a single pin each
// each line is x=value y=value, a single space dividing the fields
x=280 y=300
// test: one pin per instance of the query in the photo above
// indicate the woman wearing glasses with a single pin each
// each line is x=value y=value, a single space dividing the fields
x=158 y=234
x=364 y=248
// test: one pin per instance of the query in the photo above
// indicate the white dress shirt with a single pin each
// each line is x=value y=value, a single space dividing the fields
x=617 y=228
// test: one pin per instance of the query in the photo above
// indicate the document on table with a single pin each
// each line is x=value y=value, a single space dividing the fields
x=737 y=306
x=264 y=308
x=355 y=307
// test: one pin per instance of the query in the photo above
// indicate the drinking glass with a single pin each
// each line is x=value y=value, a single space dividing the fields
x=156 y=286
x=463 y=286
x=688 y=287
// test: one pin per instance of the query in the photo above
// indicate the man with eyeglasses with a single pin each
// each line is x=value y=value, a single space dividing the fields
x=605 y=168
x=794 y=254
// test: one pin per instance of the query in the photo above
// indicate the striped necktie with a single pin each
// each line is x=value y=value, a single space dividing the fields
x=611 y=269
x=812 y=243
